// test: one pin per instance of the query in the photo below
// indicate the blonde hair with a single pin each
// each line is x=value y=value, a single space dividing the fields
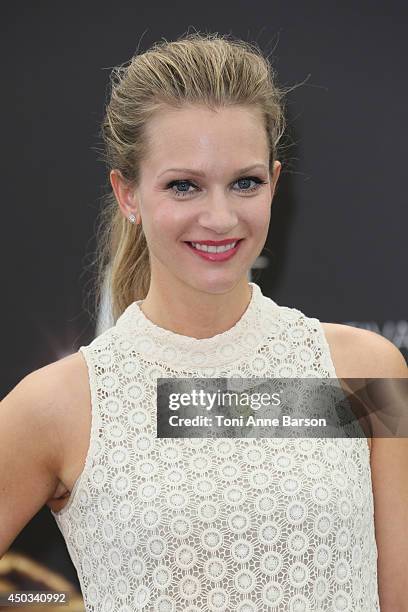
x=204 y=69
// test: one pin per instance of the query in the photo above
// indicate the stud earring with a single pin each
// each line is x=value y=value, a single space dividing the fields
x=132 y=218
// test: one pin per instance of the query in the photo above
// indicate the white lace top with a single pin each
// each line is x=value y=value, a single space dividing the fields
x=204 y=524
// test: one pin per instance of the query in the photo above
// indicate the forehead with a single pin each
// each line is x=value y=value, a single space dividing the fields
x=202 y=137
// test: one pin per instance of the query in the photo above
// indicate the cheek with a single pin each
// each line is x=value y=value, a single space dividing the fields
x=175 y=217
x=258 y=217
x=164 y=224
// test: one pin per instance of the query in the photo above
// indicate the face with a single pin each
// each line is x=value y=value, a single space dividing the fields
x=206 y=178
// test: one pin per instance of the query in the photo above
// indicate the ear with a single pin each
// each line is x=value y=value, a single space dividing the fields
x=125 y=195
x=276 y=172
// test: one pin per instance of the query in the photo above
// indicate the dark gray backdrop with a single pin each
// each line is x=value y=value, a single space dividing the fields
x=339 y=224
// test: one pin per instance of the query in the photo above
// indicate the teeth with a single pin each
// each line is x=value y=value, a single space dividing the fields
x=213 y=249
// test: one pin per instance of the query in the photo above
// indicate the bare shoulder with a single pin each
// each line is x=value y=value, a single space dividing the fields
x=361 y=353
x=49 y=390
x=67 y=376
x=57 y=386
x=58 y=394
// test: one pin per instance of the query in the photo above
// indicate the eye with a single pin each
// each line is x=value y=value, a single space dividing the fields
x=185 y=183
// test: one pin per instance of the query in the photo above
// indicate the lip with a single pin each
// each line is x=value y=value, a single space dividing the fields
x=216 y=242
x=215 y=256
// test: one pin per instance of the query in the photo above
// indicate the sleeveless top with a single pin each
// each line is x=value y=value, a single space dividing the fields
x=227 y=524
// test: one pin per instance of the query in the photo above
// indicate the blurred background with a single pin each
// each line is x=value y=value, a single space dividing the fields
x=337 y=245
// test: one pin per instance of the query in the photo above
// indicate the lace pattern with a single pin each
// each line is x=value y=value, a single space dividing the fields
x=200 y=525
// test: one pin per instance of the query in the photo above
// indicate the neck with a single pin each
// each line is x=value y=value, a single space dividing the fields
x=189 y=312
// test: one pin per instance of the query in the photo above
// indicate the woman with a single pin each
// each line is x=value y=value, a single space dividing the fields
x=191 y=133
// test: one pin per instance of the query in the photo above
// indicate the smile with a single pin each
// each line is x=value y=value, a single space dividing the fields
x=214 y=253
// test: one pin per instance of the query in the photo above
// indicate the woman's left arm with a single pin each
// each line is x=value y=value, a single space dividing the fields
x=389 y=473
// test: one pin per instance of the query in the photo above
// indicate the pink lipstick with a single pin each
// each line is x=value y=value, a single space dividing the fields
x=215 y=250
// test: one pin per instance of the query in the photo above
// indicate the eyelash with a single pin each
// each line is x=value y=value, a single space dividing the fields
x=182 y=194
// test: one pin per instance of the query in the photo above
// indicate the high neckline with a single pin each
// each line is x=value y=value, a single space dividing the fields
x=171 y=347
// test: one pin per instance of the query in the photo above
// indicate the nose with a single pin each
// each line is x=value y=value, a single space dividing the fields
x=218 y=215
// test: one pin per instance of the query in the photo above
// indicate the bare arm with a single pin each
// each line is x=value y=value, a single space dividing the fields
x=363 y=354
x=29 y=452
x=389 y=473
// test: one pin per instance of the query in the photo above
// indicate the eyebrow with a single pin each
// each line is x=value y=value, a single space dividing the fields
x=200 y=173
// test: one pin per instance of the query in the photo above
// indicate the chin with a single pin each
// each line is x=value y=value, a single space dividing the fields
x=216 y=286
